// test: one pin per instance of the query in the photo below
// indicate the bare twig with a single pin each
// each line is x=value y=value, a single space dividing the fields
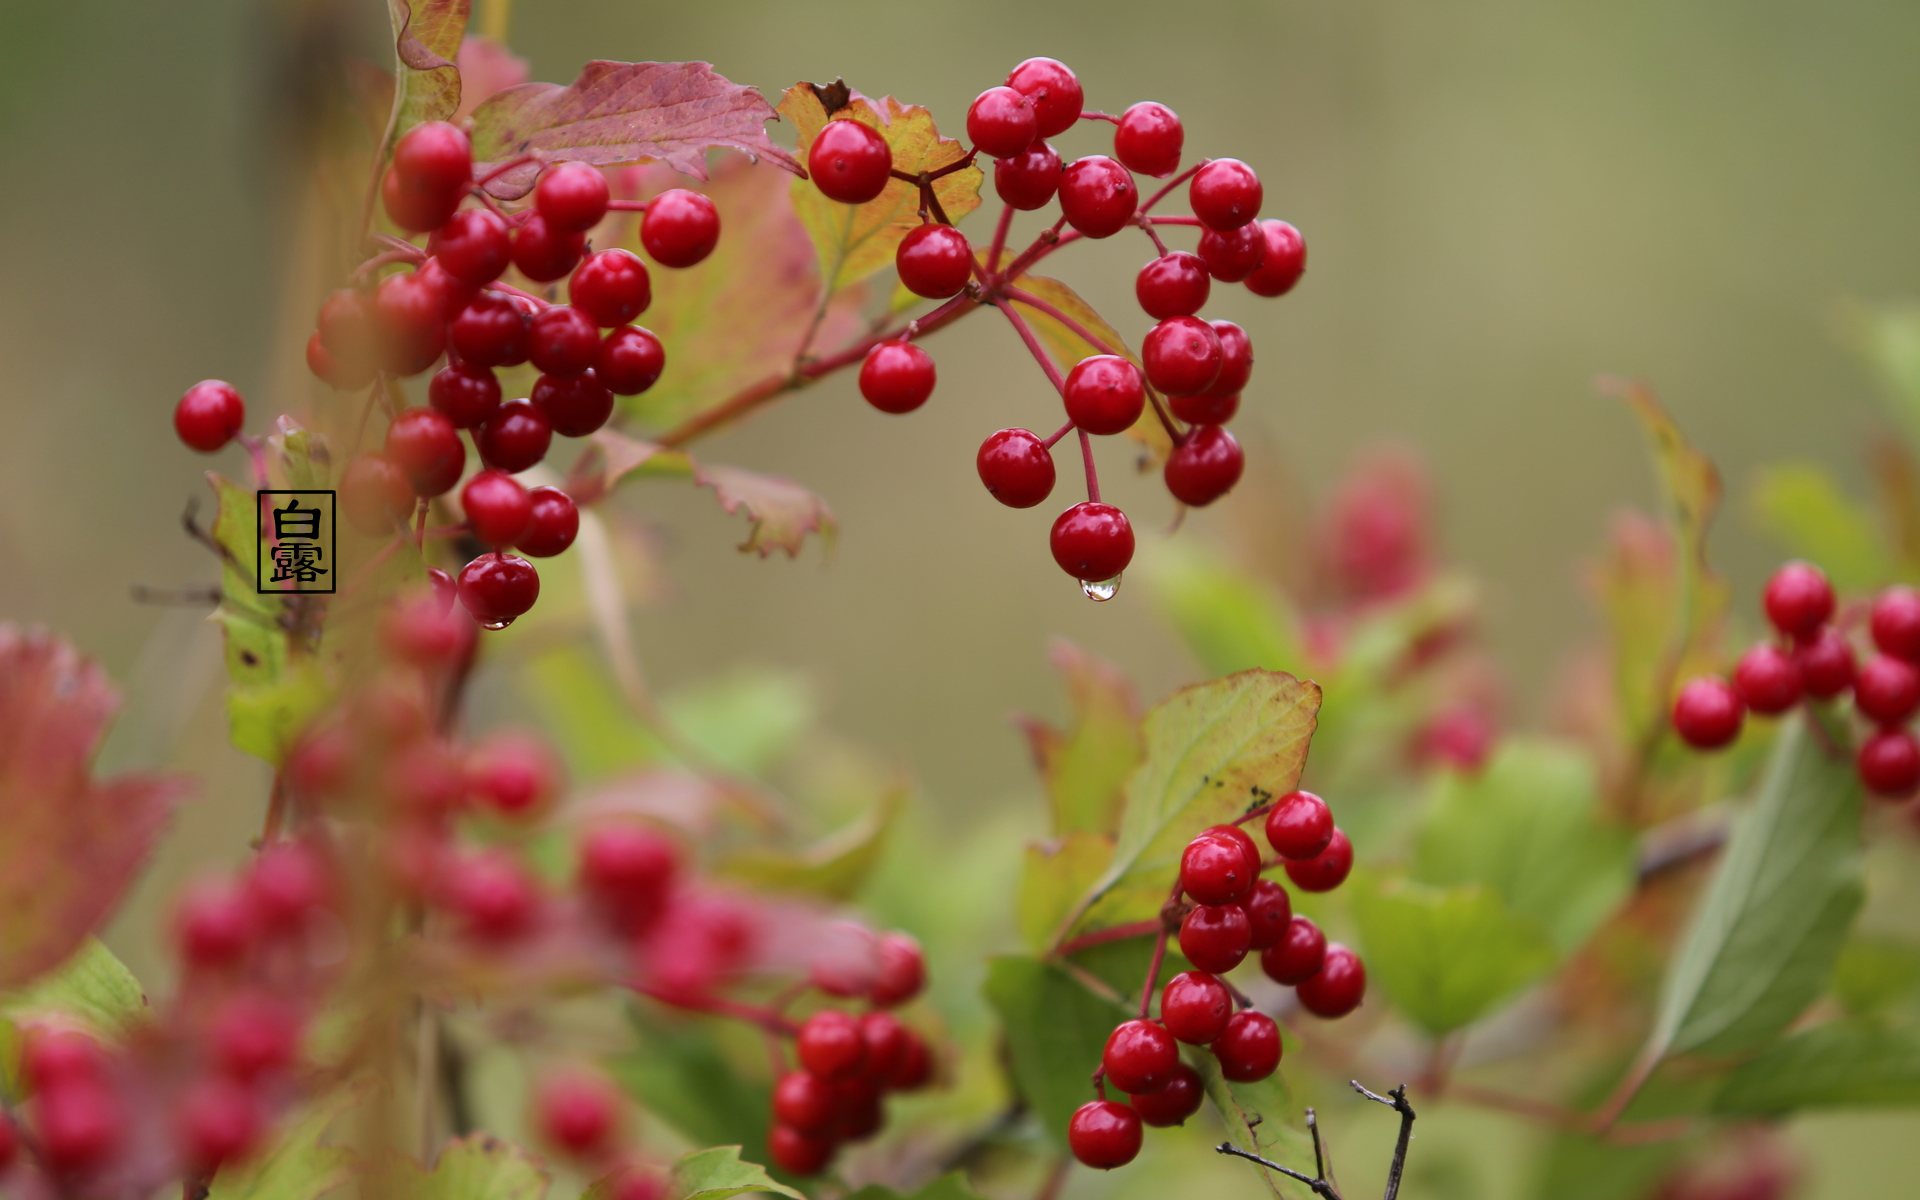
x=1322 y=1185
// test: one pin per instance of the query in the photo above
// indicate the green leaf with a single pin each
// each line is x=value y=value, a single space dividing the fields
x=1056 y=1032
x=1873 y=975
x=1766 y=933
x=1529 y=827
x=718 y=1172
x=588 y=718
x=747 y=720
x=679 y=1071
x=1057 y=874
x=1446 y=957
x=479 y=1167
x=1258 y=1117
x=298 y=1165
x=426 y=39
x=1889 y=337
x=836 y=867
x=1843 y=1064
x=92 y=987
x=1229 y=621
x=951 y=1186
x=1579 y=1166
x=1085 y=767
x=1802 y=506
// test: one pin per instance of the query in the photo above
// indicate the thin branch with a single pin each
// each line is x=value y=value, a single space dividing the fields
x=1320 y=1187
x=1153 y=973
x=1025 y=331
x=1116 y=933
x=1093 y=476
x=1398 y=1104
x=999 y=239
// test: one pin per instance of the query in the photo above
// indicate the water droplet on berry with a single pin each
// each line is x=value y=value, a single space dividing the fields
x=1100 y=591
x=496 y=626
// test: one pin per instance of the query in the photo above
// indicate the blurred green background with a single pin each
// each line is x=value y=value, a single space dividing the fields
x=1501 y=201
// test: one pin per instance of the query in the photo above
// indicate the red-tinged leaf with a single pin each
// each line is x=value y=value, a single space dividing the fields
x=611 y=456
x=783 y=513
x=1068 y=345
x=619 y=113
x=71 y=844
x=486 y=69
x=426 y=40
x=1086 y=765
x=856 y=240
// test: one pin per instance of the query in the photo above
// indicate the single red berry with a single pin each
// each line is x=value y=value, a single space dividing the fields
x=467 y=394
x=254 y=1035
x=1175 y=1102
x=1767 y=679
x=577 y=1111
x=571 y=196
x=1173 y=285
x=554 y=524
x=286 y=883
x=1707 y=714
x=612 y=287
x=850 y=162
x=455 y=294
x=498 y=510
x=1887 y=690
x=1054 y=90
x=208 y=415
x=432 y=171
x=903 y=971
x=804 y=1101
x=496 y=588
x=798 y=1153
x=1826 y=664
x=213 y=925
x=1205 y=466
x=1269 y=914
x=1798 y=600
x=1234 y=255
x=1889 y=762
x=493 y=894
x=1249 y=1049
x=680 y=228
x=897 y=377
x=1206 y=408
x=1225 y=194
x=1298 y=955
x=639 y=1183
x=428 y=448
x=629 y=872
x=492 y=331
x=410 y=323
x=1097 y=195
x=515 y=437
x=543 y=252
x=375 y=494
x=1215 y=938
x=1236 y=360
x=1104 y=394
x=916 y=1065
x=1282 y=261
x=1299 y=826
x=630 y=360
x=219 y=1122
x=513 y=775
x=61 y=1058
x=1337 y=988
x=321 y=363
x=1104 y=1134
x=1140 y=1057
x=1029 y=179
x=1896 y=623
x=1002 y=122
x=1093 y=542
x=79 y=1127
x=1148 y=139
x=563 y=340
x=886 y=1046
x=1218 y=870
x=830 y=1045
x=934 y=261
x=1195 y=1006
x=575 y=405
x=473 y=246
x=1326 y=870
x=1016 y=466
x=1182 y=355
x=415 y=211
x=1239 y=836
x=346 y=331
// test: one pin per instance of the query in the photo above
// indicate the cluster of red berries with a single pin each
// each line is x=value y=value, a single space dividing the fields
x=1199 y=367
x=1814 y=658
x=1234 y=913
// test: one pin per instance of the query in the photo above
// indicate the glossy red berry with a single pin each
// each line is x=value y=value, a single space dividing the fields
x=496 y=588
x=1249 y=1049
x=934 y=261
x=1326 y=870
x=1269 y=914
x=1140 y=1056
x=1173 y=285
x=1298 y=955
x=1195 y=1007
x=611 y=287
x=213 y=925
x=497 y=507
x=1206 y=408
x=1282 y=261
x=1896 y=623
x=1225 y=194
x=1148 y=139
x=1887 y=690
x=850 y=162
x=562 y=341
x=798 y=1153
x=897 y=377
x=554 y=523
x=492 y=331
x=1174 y=1103
x=455 y=294
x=466 y=394
x=1236 y=360
x=375 y=495
x=1029 y=179
x=1217 y=870
x=680 y=228
x=577 y=1111
x=1016 y=467
x=1104 y=394
x=1889 y=762
x=830 y=1045
x=1299 y=826
x=1235 y=254
x=218 y=1121
x=1205 y=466
x=515 y=437
x=1097 y=195
x=208 y=415
x=1215 y=938
x=886 y=1046
x=1093 y=542
x=1337 y=988
x=1054 y=90
x=1182 y=356
x=409 y=316
x=1104 y=1134
x=1002 y=122
x=805 y=1102
x=544 y=253
x=1826 y=664
x=1239 y=836
x=576 y=405
x=428 y=448
x=903 y=971
x=571 y=196
x=418 y=200
x=1798 y=599
x=473 y=246
x=1708 y=714
x=1767 y=680
x=630 y=360
x=628 y=871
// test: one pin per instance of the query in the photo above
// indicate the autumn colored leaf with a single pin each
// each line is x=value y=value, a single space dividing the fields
x=426 y=41
x=856 y=240
x=782 y=512
x=1086 y=765
x=619 y=113
x=1068 y=345
x=486 y=68
x=836 y=866
x=72 y=843
x=612 y=456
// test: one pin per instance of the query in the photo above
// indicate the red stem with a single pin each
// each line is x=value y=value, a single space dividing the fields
x=1057 y=435
x=999 y=239
x=510 y=290
x=1117 y=933
x=503 y=168
x=1093 y=477
x=1099 y=116
x=1171 y=184
x=1073 y=326
x=1050 y=239
x=1153 y=972
x=1174 y=219
x=1145 y=225
x=719 y=1006
x=1033 y=346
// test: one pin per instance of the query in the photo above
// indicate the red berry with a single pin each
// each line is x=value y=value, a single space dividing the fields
x=1249 y=1050
x=680 y=228
x=934 y=261
x=496 y=588
x=432 y=171
x=375 y=494
x=577 y=1111
x=1326 y=870
x=1097 y=195
x=513 y=775
x=1093 y=542
x=1205 y=466
x=1140 y=1057
x=515 y=437
x=1149 y=138
x=1002 y=122
x=1886 y=690
x=544 y=252
x=1236 y=360
x=554 y=524
x=1896 y=623
x=444 y=589
x=1174 y=1103
x=1235 y=254
x=410 y=323
x=612 y=287
x=213 y=925
x=467 y=394
x=897 y=377
x=1338 y=987
x=629 y=872
x=1707 y=714
x=286 y=883
x=1826 y=664
x=798 y=1153
x=1889 y=762
x=1182 y=355
x=1240 y=837
x=571 y=196
x=1206 y=408
x=903 y=971
x=1104 y=394
x=1767 y=680
x=1225 y=194
x=415 y=212
x=805 y=1102
x=916 y=1065
x=208 y=415
x=253 y=1035
x=498 y=510
x=630 y=360
x=1798 y=600
x=346 y=333
x=1298 y=955
x=1029 y=179
x=1282 y=261
x=1217 y=870
x=321 y=363
x=1215 y=938
x=473 y=247
x=60 y=1059
x=428 y=448
x=1173 y=285
x=575 y=405
x=1269 y=914
x=886 y=1041
x=493 y=894
x=830 y=1045
x=1016 y=466
x=850 y=162
x=492 y=331
x=79 y=1126
x=455 y=294
x=1195 y=1007
x=219 y=1122
x=1054 y=90
x=1104 y=1134
x=563 y=340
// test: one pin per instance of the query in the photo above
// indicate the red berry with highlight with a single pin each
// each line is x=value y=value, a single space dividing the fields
x=554 y=523
x=1217 y=870
x=571 y=196
x=1104 y=1134
x=1887 y=690
x=886 y=1046
x=1149 y=138
x=1215 y=938
x=1054 y=90
x=831 y=1046
x=1097 y=195
x=1708 y=714
x=1249 y=1050
x=466 y=394
x=1140 y=1057
x=1175 y=1102
x=428 y=448
x=1337 y=988
x=1299 y=826
x=1896 y=623
x=576 y=405
x=805 y=1102
x=1889 y=763
x=850 y=162
x=1016 y=467
x=1798 y=600
x=1092 y=542
x=1282 y=261
x=1195 y=1007
x=1206 y=408
x=1326 y=870
x=1104 y=394
x=611 y=287
x=1236 y=834
x=934 y=261
x=432 y=171
x=1029 y=179
x=79 y=1127
x=1173 y=285
x=1225 y=194
x=208 y=415
x=1234 y=255
x=409 y=316
x=544 y=252
x=903 y=971
x=513 y=775
x=630 y=360
x=1182 y=356
x=496 y=588
x=1298 y=955
x=515 y=437
x=493 y=893
x=680 y=228
x=1826 y=664
x=1236 y=360
x=798 y=1153
x=1269 y=914
x=1002 y=122
x=492 y=331
x=897 y=377
x=1767 y=680
x=473 y=246
x=1205 y=466
x=498 y=510
x=213 y=925
x=562 y=341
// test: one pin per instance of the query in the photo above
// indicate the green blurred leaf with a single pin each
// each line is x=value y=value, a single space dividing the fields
x=297 y=1165
x=719 y=1172
x=586 y=715
x=1229 y=621
x=1872 y=976
x=92 y=987
x=1086 y=766
x=1447 y=957
x=835 y=867
x=748 y=720
x=1842 y=1064
x=1056 y=1032
x=426 y=36
x=680 y=1073
x=1579 y=1166
x=1766 y=933
x=1258 y=1117
x=1529 y=827
x=951 y=1186
x=478 y=1167
x=1802 y=506
x=1122 y=964
x=1057 y=874
x=1889 y=336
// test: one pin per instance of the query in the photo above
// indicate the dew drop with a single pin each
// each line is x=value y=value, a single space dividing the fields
x=1100 y=591
x=496 y=626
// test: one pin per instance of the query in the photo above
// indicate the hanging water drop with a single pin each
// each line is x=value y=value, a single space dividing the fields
x=1100 y=591
x=496 y=626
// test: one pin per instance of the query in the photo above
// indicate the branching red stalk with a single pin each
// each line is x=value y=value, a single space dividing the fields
x=720 y=1006
x=1000 y=232
x=1171 y=184
x=1057 y=435
x=1117 y=933
x=1025 y=331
